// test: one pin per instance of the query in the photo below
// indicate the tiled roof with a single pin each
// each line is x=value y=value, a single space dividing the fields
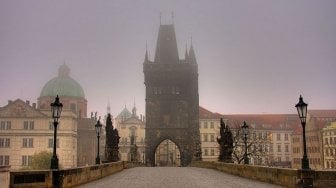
x=206 y=114
x=322 y=113
x=266 y=121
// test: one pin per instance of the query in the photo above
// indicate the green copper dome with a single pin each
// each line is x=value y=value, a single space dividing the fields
x=63 y=85
x=125 y=113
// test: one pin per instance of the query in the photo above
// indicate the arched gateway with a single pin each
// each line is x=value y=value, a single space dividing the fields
x=172 y=99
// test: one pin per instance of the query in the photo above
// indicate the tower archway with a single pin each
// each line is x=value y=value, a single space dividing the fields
x=167 y=153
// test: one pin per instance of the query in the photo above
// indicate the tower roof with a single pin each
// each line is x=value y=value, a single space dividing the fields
x=124 y=114
x=191 y=56
x=166 y=46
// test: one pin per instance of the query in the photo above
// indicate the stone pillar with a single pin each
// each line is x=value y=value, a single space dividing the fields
x=307 y=178
x=5 y=176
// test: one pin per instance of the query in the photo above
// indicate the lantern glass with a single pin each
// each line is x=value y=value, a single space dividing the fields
x=302 y=110
x=56 y=109
x=98 y=127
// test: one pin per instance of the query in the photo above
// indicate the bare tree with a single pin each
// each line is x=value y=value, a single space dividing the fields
x=257 y=145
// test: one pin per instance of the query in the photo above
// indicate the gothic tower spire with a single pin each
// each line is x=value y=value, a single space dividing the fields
x=146 y=55
x=192 y=56
x=166 y=46
x=186 y=56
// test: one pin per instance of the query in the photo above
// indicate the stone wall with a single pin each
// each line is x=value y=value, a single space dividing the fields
x=4 y=176
x=280 y=176
x=69 y=177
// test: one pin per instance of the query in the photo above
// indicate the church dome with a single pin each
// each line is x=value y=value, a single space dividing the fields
x=63 y=85
x=124 y=114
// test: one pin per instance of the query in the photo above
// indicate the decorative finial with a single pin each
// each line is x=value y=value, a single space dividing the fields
x=190 y=40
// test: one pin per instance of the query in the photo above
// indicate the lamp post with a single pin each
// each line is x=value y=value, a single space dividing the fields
x=302 y=111
x=56 y=109
x=98 y=127
x=245 y=133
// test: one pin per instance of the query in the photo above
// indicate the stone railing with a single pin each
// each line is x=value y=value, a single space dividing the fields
x=68 y=177
x=280 y=176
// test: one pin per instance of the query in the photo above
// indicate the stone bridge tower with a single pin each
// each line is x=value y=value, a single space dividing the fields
x=172 y=99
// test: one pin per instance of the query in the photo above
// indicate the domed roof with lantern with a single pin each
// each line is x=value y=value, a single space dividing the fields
x=63 y=85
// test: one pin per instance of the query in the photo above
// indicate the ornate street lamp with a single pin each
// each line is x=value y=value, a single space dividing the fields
x=98 y=127
x=245 y=133
x=302 y=111
x=56 y=109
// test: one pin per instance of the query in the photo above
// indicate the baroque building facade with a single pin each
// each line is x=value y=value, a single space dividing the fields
x=317 y=120
x=209 y=123
x=131 y=128
x=27 y=128
x=329 y=145
x=269 y=137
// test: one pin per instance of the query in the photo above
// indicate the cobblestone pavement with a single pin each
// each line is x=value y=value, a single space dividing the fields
x=175 y=177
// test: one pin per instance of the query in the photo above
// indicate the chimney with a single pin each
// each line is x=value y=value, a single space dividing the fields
x=10 y=101
x=27 y=102
x=34 y=105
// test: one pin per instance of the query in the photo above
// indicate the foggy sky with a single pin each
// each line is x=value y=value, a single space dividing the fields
x=253 y=56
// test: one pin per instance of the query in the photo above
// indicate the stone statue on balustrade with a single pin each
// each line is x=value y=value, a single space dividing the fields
x=112 y=141
x=226 y=143
x=133 y=150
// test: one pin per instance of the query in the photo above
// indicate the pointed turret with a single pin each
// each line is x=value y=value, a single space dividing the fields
x=166 y=46
x=186 y=55
x=134 y=111
x=146 y=56
x=192 y=57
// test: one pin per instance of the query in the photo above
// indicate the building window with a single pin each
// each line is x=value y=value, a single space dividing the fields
x=206 y=152
x=205 y=137
x=271 y=148
x=5 y=125
x=286 y=148
x=4 y=142
x=4 y=160
x=279 y=148
x=205 y=125
x=286 y=137
x=27 y=143
x=287 y=158
x=212 y=138
x=278 y=137
x=26 y=160
x=28 y=125
x=51 y=143
x=279 y=159
x=175 y=90
x=212 y=125
x=212 y=152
